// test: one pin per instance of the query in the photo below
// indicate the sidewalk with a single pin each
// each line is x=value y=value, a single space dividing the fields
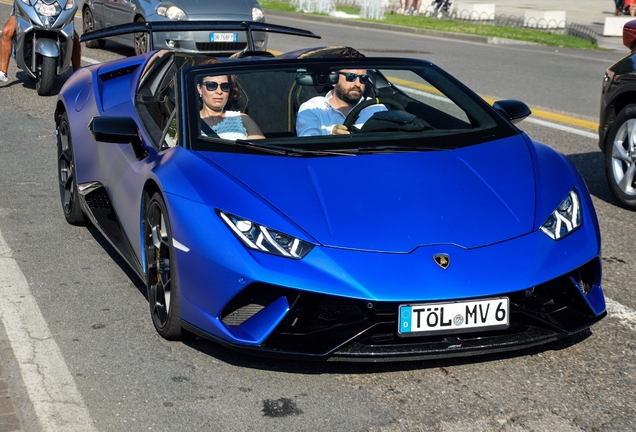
x=590 y=13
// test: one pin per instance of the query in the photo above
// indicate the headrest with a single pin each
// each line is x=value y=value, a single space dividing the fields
x=305 y=78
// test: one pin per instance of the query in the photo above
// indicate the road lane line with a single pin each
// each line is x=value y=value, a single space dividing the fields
x=89 y=60
x=56 y=400
x=562 y=128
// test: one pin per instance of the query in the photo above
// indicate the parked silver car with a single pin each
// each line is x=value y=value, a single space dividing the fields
x=100 y=14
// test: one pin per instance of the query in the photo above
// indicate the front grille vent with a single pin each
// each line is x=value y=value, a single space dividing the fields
x=239 y=316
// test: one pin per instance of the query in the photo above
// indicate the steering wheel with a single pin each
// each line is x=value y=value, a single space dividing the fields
x=355 y=112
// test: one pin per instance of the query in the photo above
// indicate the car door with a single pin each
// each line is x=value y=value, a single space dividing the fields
x=118 y=12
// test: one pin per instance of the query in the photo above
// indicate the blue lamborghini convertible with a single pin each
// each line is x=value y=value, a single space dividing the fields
x=436 y=228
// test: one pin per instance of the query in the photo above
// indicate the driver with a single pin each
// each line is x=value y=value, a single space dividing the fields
x=324 y=115
x=9 y=32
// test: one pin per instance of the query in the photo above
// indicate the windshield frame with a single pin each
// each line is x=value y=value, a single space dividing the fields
x=328 y=145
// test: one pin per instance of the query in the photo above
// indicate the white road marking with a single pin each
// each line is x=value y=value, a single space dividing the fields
x=56 y=400
x=90 y=60
x=593 y=135
x=558 y=126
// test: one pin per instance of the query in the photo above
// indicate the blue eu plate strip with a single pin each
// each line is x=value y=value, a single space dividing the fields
x=405 y=319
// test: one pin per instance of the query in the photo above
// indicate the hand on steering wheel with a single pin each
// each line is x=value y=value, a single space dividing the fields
x=340 y=130
x=355 y=111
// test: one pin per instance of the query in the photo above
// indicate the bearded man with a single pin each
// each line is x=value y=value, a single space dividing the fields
x=324 y=115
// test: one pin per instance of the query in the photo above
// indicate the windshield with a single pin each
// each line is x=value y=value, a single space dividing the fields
x=329 y=108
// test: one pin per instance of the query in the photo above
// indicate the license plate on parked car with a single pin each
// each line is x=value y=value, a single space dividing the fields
x=453 y=317
x=223 y=37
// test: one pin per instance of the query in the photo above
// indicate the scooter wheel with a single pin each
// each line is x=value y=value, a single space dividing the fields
x=46 y=76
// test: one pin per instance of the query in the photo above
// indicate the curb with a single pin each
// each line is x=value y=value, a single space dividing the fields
x=401 y=29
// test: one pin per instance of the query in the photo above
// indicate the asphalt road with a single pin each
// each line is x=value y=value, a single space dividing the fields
x=95 y=362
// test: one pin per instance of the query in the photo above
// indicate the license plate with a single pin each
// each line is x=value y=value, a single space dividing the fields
x=223 y=37
x=454 y=317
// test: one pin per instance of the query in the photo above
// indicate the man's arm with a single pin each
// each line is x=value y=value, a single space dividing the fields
x=308 y=123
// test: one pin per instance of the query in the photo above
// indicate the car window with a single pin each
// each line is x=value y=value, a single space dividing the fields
x=170 y=136
x=156 y=97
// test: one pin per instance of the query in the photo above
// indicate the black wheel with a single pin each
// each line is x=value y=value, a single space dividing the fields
x=355 y=111
x=620 y=157
x=45 y=75
x=89 y=25
x=66 y=174
x=163 y=292
x=141 y=40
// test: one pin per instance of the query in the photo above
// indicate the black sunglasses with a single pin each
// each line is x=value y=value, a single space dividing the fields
x=212 y=86
x=351 y=77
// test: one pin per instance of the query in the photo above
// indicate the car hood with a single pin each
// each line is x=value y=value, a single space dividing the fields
x=216 y=9
x=468 y=197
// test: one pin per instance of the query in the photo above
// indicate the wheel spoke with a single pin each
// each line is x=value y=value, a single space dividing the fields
x=65 y=167
x=158 y=258
x=618 y=149
x=628 y=180
x=164 y=307
x=630 y=133
x=157 y=298
x=68 y=199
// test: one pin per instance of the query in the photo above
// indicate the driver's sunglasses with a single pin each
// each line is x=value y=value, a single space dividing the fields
x=351 y=77
x=212 y=86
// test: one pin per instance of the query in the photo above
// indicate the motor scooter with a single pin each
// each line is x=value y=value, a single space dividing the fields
x=43 y=43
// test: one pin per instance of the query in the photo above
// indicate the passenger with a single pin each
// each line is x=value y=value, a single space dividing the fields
x=216 y=92
x=324 y=115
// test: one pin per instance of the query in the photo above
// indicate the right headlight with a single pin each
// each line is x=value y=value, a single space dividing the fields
x=565 y=219
x=257 y=14
x=264 y=239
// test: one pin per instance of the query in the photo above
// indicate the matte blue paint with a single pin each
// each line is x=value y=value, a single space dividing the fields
x=377 y=220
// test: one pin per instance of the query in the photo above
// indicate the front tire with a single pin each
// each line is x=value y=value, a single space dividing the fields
x=620 y=157
x=161 y=282
x=69 y=194
x=46 y=75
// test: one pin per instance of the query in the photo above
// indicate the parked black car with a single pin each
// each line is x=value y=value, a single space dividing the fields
x=617 y=124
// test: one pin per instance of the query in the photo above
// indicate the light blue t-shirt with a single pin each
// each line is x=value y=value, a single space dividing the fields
x=318 y=117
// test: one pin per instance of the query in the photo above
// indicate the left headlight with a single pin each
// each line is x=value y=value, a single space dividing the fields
x=264 y=239
x=257 y=14
x=172 y=12
x=565 y=219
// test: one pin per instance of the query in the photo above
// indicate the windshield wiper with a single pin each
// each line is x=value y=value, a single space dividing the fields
x=397 y=148
x=273 y=149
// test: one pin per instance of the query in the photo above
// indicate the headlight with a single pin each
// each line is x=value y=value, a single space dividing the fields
x=257 y=14
x=261 y=238
x=565 y=219
x=47 y=10
x=172 y=12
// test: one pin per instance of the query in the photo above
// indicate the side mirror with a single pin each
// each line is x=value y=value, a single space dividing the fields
x=629 y=35
x=513 y=110
x=118 y=130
